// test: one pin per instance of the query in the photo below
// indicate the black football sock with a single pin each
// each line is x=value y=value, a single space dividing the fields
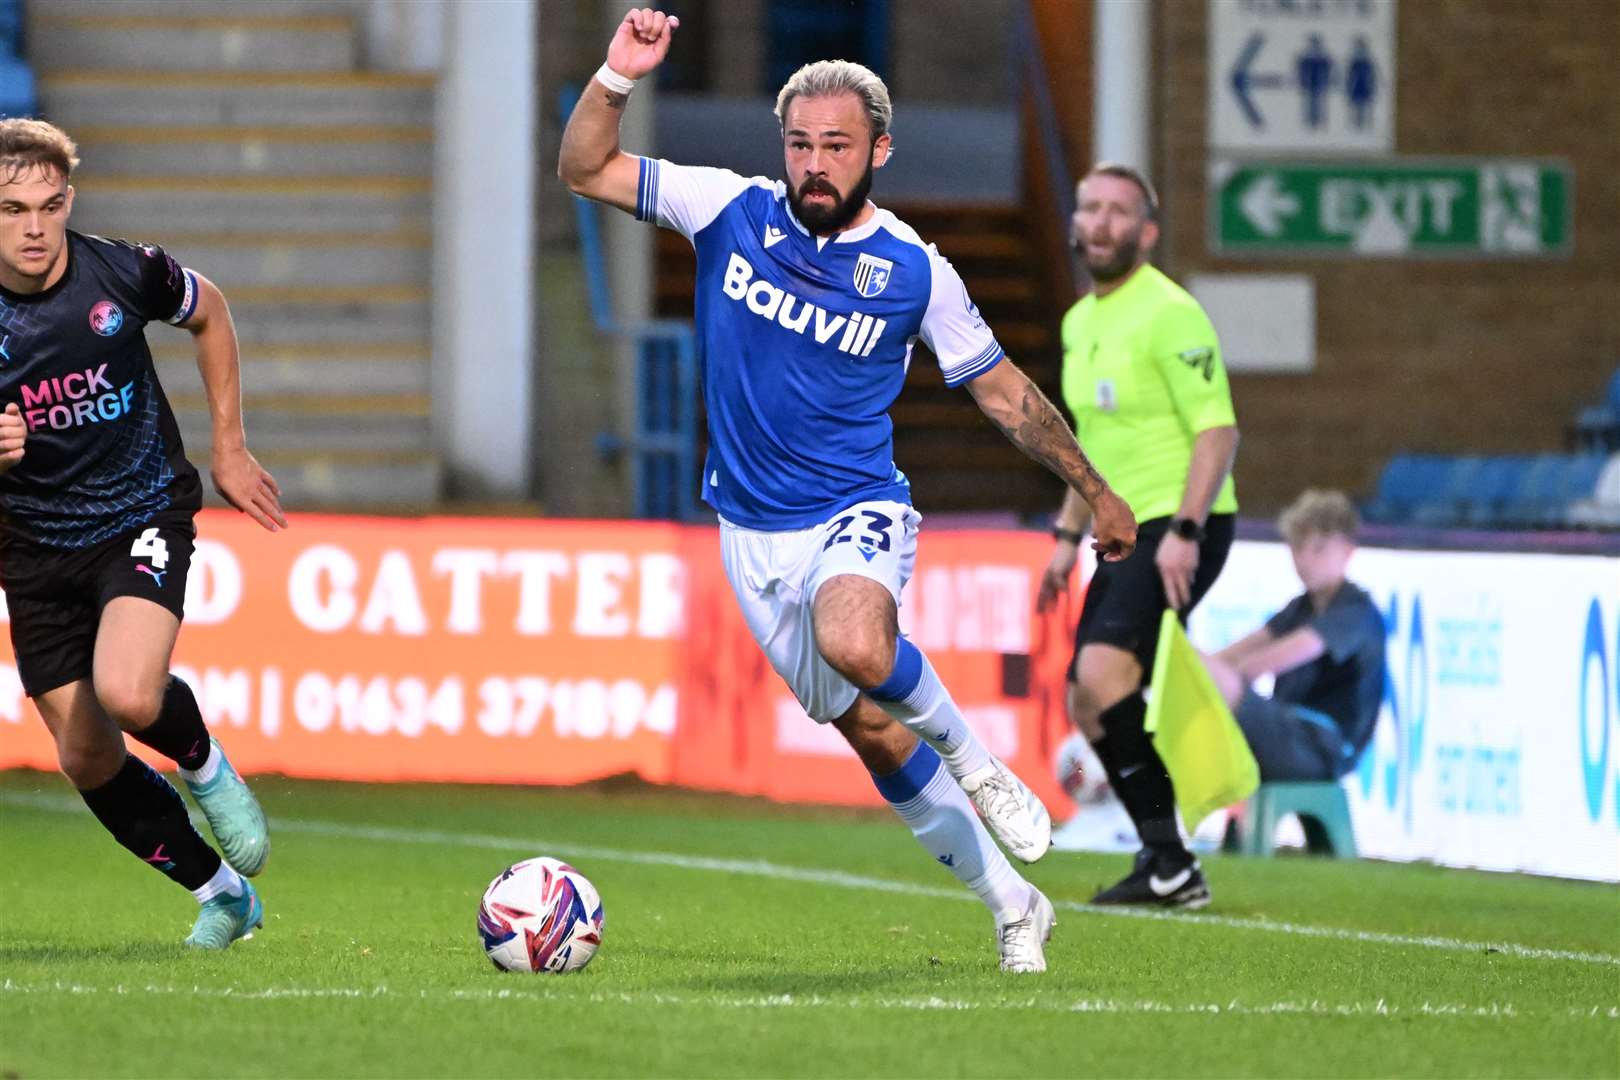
x=179 y=731
x=1138 y=775
x=145 y=814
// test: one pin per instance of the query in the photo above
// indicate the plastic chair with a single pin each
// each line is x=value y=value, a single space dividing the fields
x=1321 y=807
x=1495 y=485
x=1541 y=498
x=1407 y=481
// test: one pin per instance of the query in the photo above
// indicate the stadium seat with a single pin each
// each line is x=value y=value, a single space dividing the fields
x=1321 y=807
x=1602 y=510
x=17 y=89
x=1444 y=505
x=1581 y=476
x=1537 y=500
x=1408 y=480
x=1498 y=480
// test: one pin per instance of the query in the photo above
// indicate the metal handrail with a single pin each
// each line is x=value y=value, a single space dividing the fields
x=1029 y=64
x=663 y=442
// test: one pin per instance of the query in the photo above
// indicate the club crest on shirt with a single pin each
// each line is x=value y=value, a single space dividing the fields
x=872 y=274
x=106 y=318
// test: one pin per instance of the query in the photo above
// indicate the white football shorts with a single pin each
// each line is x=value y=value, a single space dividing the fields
x=776 y=575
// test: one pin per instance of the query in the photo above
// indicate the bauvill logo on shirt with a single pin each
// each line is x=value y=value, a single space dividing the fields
x=860 y=332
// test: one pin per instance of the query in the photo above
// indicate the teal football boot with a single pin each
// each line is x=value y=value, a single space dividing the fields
x=225 y=918
x=234 y=816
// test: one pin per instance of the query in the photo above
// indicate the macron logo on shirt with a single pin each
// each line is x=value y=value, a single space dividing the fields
x=860 y=331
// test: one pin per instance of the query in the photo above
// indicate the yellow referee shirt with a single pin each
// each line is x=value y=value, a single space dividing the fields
x=1142 y=374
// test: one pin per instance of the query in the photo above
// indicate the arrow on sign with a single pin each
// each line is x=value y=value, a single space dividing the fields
x=1243 y=79
x=1265 y=204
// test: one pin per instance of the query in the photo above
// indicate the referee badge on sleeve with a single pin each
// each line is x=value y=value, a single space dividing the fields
x=872 y=274
x=1107 y=396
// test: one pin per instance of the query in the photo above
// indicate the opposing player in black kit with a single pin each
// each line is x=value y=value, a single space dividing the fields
x=96 y=507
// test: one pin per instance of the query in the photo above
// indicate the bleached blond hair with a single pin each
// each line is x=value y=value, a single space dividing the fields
x=828 y=77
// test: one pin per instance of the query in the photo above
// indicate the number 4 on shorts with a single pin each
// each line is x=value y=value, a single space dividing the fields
x=151 y=545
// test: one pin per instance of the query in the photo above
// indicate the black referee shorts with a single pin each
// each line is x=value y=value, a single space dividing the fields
x=55 y=596
x=1126 y=599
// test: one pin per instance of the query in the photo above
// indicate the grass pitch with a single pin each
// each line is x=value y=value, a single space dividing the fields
x=749 y=940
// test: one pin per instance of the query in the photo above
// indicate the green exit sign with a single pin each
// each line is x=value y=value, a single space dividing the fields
x=1448 y=207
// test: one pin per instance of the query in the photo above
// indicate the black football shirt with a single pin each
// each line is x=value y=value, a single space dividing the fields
x=103 y=453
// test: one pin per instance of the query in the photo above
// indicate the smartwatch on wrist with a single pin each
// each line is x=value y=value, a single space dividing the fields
x=1071 y=535
x=1187 y=529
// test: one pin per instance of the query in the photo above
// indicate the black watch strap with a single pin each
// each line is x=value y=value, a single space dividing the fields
x=1187 y=529
x=1073 y=536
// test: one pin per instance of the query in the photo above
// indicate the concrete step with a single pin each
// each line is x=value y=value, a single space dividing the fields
x=85 y=98
x=270 y=318
x=303 y=370
x=200 y=41
x=156 y=205
x=331 y=259
x=257 y=151
x=353 y=424
x=373 y=480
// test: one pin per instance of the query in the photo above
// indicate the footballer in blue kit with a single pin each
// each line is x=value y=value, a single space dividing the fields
x=809 y=301
x=96 y=532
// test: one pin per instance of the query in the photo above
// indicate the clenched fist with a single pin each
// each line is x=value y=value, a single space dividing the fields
x=641 y=42
x=13 y=433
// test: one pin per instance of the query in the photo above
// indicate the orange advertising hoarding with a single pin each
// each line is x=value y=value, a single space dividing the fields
x=552 y=652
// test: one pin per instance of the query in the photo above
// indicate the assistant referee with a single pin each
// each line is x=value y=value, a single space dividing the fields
x=1142 y=374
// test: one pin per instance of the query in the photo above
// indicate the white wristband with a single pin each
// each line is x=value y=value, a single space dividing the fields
x=614 y=81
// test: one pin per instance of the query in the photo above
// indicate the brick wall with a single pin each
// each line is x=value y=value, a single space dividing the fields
x=1489 y=356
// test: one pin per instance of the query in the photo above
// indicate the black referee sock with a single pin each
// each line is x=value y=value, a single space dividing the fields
x=179 y=731
x=1138 y=775
x=145 y=814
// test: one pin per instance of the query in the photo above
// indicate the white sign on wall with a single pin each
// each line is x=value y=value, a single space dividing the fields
x=1498 y=743
x=1265 y=322
x=1311 y=76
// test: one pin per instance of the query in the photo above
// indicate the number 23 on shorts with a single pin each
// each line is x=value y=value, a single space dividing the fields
x=873 y=531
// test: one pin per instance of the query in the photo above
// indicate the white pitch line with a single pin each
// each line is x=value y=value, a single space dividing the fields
x=1380 y=1008
x=840 y=879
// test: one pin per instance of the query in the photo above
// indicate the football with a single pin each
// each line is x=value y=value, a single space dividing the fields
x=1079 y=771
x=540 y=915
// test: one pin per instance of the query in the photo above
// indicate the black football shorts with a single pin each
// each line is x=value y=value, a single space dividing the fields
x=55 y=596
x=1125 y=600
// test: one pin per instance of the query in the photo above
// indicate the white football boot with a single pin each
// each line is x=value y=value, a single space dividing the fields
x=1022 y=942
x=1010 y=810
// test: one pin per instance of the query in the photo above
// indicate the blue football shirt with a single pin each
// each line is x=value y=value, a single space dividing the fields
x=804 y=341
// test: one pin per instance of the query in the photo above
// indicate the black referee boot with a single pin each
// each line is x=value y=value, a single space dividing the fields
x=1165 y=878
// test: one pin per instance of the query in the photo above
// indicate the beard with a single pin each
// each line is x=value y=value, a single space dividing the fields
x=826 y=220
x=1121 y=263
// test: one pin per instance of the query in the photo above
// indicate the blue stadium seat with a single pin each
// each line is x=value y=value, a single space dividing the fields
x=11 y=28
x=17 y=90
x=1582 y=478
x=1445 y=503
x=17 y=95
x=1494 y=487
x=1408 y=480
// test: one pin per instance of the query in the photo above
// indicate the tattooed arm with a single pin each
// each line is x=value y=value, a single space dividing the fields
x=1033 y=424
x=591 y=163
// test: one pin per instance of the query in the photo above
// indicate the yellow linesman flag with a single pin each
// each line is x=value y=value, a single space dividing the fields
x=1201 y=744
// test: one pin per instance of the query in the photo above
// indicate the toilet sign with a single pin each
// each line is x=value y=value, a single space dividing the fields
x=1316 y=77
